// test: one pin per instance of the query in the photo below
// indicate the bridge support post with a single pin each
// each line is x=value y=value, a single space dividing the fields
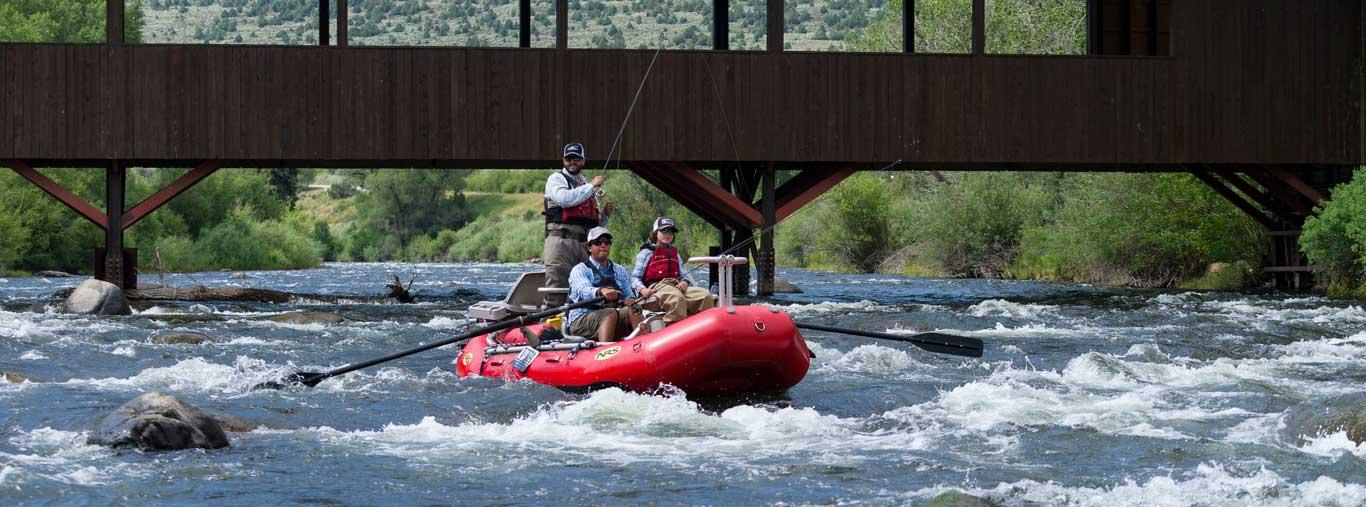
x=768 y=208
x=116 y=270
x=1280 y=201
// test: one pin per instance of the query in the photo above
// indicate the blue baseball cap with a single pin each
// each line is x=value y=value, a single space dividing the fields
x=573 y=150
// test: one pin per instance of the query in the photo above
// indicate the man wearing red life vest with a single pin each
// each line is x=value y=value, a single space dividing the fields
x=571 y=209
x=659 y=266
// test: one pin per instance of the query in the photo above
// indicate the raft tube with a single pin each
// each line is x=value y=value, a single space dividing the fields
x=721 y=351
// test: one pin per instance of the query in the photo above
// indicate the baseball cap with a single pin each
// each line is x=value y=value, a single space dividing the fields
x=662 y=222
x=597 y=232
x=573 y=150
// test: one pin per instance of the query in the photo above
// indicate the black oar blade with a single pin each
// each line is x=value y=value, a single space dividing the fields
x=949 y=344
x=933 y=342
x=308 y=378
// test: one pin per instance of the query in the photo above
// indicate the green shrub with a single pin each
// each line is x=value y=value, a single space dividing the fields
x=1139 y=229
x=973 y=227
x=1334 y=239
x=507 y=181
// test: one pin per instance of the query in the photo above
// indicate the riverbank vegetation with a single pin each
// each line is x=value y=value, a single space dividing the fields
x=1334 y=239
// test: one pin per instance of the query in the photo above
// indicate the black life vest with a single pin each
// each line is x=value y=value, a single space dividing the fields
x=583 y=214
x=602 y=279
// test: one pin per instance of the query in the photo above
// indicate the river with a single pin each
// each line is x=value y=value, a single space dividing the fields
x=1086 y=395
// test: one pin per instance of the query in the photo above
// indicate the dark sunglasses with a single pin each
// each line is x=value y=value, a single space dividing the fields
x=669 y=230
x=601 y=241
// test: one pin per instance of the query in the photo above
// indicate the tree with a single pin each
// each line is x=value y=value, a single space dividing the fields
x=406 y=203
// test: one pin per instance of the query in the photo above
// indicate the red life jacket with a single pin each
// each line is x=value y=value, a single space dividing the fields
x=663 y=264
x=584 y=214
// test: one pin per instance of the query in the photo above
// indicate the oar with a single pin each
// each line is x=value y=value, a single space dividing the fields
x=312 y=378
x=933 y=342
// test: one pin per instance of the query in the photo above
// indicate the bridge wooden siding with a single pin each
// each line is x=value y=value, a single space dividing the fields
x=1260 y=84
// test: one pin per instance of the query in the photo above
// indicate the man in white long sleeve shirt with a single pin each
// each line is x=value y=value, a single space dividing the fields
x=571 y=209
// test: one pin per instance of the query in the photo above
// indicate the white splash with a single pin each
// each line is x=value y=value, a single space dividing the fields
x=1333 y=445
x=32 y=355
x=617 y=426
x=1209 y=484
x=1003 y=308
x=825 y=308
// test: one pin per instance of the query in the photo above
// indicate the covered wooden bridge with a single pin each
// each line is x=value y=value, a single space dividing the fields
x=1261 y=100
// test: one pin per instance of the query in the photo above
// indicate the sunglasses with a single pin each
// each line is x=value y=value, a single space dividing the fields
x=601 y=241
x=669 y=230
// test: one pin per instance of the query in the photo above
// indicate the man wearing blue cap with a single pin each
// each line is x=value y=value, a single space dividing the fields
x=571 y=209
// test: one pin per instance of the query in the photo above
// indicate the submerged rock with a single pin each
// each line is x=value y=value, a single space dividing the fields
x=157 y=422
x=1321 y=417
x=180 y=339
x=97 y=297
x=781 y=286
x=14 y=378
x=308 y=318
x=956 y=499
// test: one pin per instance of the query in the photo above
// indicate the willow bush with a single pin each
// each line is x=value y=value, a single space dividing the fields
x=1334 y=239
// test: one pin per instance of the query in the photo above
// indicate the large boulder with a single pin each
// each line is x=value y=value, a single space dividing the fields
x=1316 y=418
x=14 y=378
x=308 y=318
x=97 y=297
x=157 y=422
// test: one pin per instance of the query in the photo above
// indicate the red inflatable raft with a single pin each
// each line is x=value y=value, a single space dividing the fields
x=724 y=350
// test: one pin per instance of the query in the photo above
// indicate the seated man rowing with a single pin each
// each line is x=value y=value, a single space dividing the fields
x=599 y=276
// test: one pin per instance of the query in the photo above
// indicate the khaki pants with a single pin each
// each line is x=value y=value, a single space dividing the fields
x=587 y=324
x=560 y=255
x=677 y=304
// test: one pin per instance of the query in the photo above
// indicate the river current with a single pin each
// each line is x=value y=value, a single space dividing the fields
x=1085 y=396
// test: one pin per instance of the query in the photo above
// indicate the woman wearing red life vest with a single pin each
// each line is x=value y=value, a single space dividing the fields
x=659 y=266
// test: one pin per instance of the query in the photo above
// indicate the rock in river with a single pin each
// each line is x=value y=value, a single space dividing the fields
x=157 y=422
x=96 y=297
x=14 y=378
x=956 y=499
x=1320 y=417
x=308 y=318
x=181 y=338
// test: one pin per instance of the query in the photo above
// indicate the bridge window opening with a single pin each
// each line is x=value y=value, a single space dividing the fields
x=75 y=22
x=842 y=25
x=748 y=25
x=1036 y=27
x=640 y=24
x=271 y=22
x=943 y=26
x=475 y=23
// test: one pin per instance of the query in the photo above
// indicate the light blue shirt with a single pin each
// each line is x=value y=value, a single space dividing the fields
x=581 y=286
x=643 y=258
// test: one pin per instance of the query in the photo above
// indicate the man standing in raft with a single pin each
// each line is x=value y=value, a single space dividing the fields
x=659 y=266
x=598 y=276
x=571 y=209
